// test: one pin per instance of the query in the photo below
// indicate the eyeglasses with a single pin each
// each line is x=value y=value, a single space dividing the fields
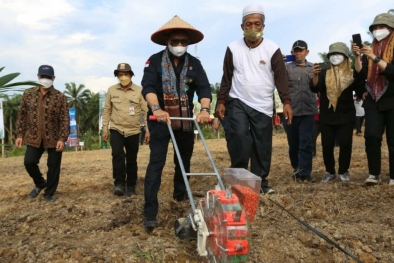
x=175 y=42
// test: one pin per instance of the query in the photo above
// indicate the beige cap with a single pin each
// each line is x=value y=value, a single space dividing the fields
x=176 y=23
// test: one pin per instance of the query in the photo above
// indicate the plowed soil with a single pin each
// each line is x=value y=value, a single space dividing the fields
x=89 y=224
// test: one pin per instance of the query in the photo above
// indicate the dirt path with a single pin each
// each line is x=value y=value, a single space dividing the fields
x=89 y=224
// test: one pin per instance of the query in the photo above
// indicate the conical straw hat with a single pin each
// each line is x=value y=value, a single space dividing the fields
x=159 y=37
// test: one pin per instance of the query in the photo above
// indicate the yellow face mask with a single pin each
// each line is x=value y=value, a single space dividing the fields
x=253 y=34
x=125 y=80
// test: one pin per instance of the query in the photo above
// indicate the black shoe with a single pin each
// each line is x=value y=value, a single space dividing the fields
x=150 y=222
x=130 y=190
x=183 y=197
x=267 y=190
x=119 y=190
x=307 y=178
x=35 y=192
x=296 y=173
x=49 y=198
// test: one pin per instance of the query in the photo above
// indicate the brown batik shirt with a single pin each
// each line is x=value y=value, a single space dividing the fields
x=43 y=118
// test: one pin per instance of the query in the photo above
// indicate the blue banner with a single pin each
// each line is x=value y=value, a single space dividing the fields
x=73 y=137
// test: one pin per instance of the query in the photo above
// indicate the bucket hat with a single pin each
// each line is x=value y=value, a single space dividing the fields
x=338 y=47
x=383 y=19
x=123 y=67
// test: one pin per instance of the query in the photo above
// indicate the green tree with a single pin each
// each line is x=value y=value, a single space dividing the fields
x=76 y=98
x=5 y=84
x=90 y=116
x=215 y=88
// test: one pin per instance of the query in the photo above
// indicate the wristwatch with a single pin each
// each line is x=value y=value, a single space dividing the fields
x=155 y=107
x=376 y=60
x=206 y=109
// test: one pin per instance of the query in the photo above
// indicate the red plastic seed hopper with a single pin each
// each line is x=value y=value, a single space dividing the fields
x=221 y=220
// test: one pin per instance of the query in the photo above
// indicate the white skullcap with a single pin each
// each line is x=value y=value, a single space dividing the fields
x=253 y=9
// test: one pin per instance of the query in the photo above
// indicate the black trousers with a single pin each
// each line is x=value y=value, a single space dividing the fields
x=32 y=158
x=250 y=137
x=316 y=132
x=124 y=163
x=159 y=139
x=359 y=123
x=142 y=135
x=344 y=133
x=375 y=124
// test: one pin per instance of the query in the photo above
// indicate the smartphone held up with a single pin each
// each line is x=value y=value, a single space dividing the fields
x=357 y=40
x=290 y=58
x=324 y=65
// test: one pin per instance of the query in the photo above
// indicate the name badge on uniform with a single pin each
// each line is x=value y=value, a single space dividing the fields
x=132 y=111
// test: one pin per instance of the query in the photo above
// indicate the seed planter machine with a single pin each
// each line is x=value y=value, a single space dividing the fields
x=221 y=220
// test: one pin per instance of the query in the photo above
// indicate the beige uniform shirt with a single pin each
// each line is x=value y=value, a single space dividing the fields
x=123 y=109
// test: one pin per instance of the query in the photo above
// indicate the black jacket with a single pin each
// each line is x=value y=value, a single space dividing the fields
x=386 y=102
x=345 y=111
x=198 y=80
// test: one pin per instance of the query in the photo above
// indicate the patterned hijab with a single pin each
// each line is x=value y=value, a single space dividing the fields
x=376 y=82
x=338 y=78
x=176 y=105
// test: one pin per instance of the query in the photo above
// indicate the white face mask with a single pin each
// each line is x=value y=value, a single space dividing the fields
x=47 y=83
x=336 y=59
x=178 y=50
x=380 y=34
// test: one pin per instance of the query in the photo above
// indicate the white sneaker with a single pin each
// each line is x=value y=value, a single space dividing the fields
x=391 y=182
x=372 y=180
x=344 y=177
x=328 y=177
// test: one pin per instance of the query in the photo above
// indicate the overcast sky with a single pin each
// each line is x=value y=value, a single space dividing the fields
x=85 y=40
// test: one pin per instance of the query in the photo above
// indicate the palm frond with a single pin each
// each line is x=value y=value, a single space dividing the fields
x=7 y=78
x=22 y=83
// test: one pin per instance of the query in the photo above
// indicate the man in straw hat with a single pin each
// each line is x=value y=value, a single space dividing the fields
x=123 y=106
x=170 y=79
x=253 y=67
x=379 y=99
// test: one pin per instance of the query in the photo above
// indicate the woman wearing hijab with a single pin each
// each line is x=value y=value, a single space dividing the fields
x=337 y=112
x=379 y=98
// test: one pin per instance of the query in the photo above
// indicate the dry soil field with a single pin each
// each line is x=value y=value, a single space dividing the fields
x=89 y=224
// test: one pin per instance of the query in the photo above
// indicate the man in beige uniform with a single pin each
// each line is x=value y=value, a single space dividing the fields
x=123 y=106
